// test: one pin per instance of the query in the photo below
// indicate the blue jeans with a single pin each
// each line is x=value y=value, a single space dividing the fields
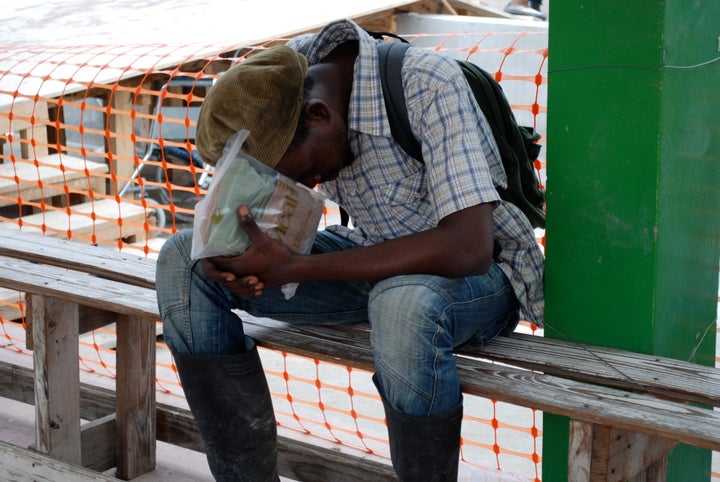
x=416 y=320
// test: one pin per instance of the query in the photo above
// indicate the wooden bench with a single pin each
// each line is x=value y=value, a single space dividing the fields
x=58 y=179
x=627 y=410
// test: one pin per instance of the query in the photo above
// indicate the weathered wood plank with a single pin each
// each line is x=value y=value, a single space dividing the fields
x=580 y=451
x=95 y=260
x=344 y=345
x=595 y=404
x=73 y=286
x=661 y=376
x=17 y=463
x=98 y=444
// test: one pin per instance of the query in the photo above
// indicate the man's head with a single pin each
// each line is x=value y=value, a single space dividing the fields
x=296 y=116
x=262 y=94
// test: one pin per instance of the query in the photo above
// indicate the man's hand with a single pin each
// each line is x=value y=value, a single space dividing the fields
x=245 y=286
x=264 y=260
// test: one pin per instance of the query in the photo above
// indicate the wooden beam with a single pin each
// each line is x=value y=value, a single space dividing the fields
x=18 y=463
x=98 y=444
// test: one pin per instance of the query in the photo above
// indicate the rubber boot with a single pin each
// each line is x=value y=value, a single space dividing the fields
x=425 y=449
x=230 y=400
x=525 y=7
x=535 y=4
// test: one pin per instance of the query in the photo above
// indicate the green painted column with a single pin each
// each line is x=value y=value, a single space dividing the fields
x=633 y=228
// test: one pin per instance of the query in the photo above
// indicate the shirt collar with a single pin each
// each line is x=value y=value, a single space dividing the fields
x=366 y=111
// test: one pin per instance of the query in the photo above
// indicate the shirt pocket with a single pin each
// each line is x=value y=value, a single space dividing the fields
x=408 y=206
x=407 y=191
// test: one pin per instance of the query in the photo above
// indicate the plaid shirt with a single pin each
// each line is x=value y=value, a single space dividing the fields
x=389 y=194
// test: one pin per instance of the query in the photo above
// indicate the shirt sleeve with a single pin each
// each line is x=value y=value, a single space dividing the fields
x=461 y=158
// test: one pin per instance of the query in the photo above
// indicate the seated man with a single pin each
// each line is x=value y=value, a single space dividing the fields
x=421 y=264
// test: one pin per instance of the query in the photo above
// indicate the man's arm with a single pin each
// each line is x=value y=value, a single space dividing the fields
x=461 y=245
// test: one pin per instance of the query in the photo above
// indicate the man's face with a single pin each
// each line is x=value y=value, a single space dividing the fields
x=319 y=159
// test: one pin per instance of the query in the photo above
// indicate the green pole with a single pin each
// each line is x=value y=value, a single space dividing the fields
x=633 y=227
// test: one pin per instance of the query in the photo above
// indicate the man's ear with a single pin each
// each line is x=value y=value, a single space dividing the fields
x=317 y=110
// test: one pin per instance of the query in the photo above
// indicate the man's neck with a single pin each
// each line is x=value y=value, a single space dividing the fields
x=343 y=58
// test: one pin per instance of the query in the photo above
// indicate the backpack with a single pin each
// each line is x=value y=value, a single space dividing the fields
x=517 y=144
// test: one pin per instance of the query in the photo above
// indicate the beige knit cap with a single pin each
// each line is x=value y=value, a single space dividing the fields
x=262 y=94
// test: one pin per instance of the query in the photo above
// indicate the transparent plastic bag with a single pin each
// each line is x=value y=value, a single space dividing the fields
x=283 y=209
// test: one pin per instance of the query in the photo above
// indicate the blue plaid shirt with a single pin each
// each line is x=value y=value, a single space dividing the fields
x=389 y=194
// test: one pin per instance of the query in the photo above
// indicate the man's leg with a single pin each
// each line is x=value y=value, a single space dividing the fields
x=416 y=322
x=219 y=367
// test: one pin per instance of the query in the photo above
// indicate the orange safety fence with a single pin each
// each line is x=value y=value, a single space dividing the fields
x=96 y=145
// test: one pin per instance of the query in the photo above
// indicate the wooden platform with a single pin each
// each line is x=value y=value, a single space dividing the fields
x=92 y=222
x=9 y=300
x=52 y=176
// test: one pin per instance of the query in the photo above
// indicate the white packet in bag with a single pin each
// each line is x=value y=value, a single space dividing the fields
x=283 y=209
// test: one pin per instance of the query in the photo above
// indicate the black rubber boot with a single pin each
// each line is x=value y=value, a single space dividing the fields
x=230 y=400
x=535 y=4
x=531 y=10
x=425 y=449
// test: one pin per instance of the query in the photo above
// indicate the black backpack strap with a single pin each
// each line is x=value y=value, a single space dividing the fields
x=391 y=60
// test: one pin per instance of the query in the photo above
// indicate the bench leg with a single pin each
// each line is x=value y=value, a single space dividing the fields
x=57 y=378
x=135 y=386
x=601 y=453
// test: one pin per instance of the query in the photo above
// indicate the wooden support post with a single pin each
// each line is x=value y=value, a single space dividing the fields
x=600 y=453
x=57 y=378
x=119 y=144
x=135 y=385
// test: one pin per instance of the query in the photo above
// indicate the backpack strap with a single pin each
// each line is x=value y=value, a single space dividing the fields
x=391 y=60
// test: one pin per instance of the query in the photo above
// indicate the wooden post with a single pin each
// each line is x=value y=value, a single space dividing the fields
x=135 y=385
x=606 y=454
x=57 y=378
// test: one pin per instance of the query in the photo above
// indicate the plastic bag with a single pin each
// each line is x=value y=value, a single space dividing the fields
x=283 y=209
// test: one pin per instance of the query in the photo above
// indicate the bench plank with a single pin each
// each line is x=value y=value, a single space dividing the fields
x=662 y=376
x=70 y=285
x=650 y=373
x=577 y=400
x=97 y=261
x=17 y=463
x=653 y=374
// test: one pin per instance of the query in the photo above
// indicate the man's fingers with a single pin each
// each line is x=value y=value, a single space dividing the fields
x=248 y=223
x=212 y=273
